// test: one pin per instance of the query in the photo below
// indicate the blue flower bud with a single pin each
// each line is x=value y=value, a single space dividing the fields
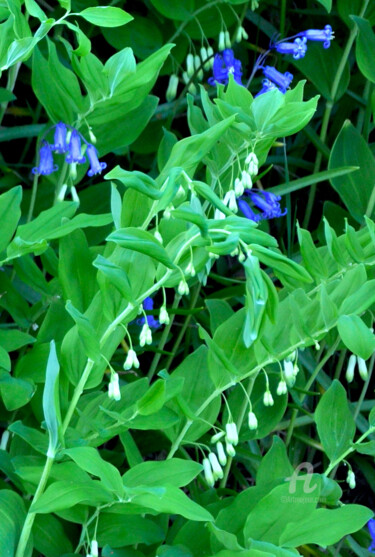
x=281 y=80
x=297 y=48
x=325 y=35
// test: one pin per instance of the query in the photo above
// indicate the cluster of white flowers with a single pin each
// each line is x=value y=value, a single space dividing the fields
x=145 y=336
x=362 y=368
x=290 y=370
x=94 y=549
x=224 y=40
x=131 y=360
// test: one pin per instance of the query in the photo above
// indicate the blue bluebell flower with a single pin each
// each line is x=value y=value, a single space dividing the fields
x=282 y=80
x=148 y=305
x=267 y=85
x=325 y=35
x=224 y=65
x=96 y=166
x=247 y=210
x=75 y=154
x=371 y=529
x=297 y=48
x=60 y=145
x=265 y=201
x=46 y=165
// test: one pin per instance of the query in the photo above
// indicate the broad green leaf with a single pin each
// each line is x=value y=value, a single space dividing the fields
x=174 y=10
x=49 y=536
x=279 y=262
x=106 y=16
x=115 y=275
x=12 y=516
x=119 y=530
x=34 y=437
x=355 y=189
x=84 y=43
x=119 y=67
x=10 y=214
x=86 y=332
x=275 y=465
x=356 y=335
x=327 y=4
x=90 y=460
x=51 y=403
x=153 y=400
x=35 y=10
x=176 y=472
x=313 y=529
x=288 y=503
x=65 y=494
x=11 y=339
x=365 y=47
x=143 y=242
x=306 y=181
x=335 y=423
x=15 y=392
x=173 y=501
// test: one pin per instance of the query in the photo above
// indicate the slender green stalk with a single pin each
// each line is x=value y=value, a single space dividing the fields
x=282 y=17
x=29 y=521
x=336 y=462
x=34 y=191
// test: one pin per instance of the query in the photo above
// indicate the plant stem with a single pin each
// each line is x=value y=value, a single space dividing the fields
x=29 y=521
x=163 y=339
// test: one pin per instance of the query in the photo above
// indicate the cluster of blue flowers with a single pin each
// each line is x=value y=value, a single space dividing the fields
x=266 y=202
x=148 y=305
x=72 y=147
x=225 y=62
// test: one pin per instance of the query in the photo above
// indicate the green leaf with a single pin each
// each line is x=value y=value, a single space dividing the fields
x=288 y=503
x=35 y=10
x=49 y=536
x=33 y=437
x=119 y=67
x=65 y=494
x=122 y=530
x=313 y=529
x=295 y=185
x=321 y=69
x=90 y=460
x=106 y=16
x=354 y=189
x=327 y=4
x=15 y=392
x=84 y=43
x=335 y=423
x=176 y=472
x=153 y=400
x=172 y=500
x=86 y=333
x=12 y=516
x=180 y=11
x=365 y=47
x=10 y=214
x=279 y=262
x=143 y=242
x=356 y=336
x=115 y=275
x=275 y=465
x=51 y=404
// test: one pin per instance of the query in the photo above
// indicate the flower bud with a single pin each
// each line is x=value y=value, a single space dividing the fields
x=183 y=288
x=190 y=65
x=362 y=368
x=227 y=42
x=145 y=336
x=190 y=270
x=252 y=161
x=203 y=53
x=230 y=201
x=62 y=192
x=73 y=170
x=208 y=472
x=221 y=453
x=158 y=236
x=231 y=451
x=282 y=388
x=115 y=391
x=198 y=67
x=252 y=420
x=210 y=54
x=171 y=92
x=163 y=316
x=350 y=479
x=241 y=257
x=238 y=187
x=221 y=45
x=216 y=468
x=94 y=548
x=185 y=78
x=217 y=436
x=246 y=179
x=231 y=433
x=92 y=136
x=192 y=89
x=350 y=369
x=267 y=399
x=288 y=371
x=131 y=360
